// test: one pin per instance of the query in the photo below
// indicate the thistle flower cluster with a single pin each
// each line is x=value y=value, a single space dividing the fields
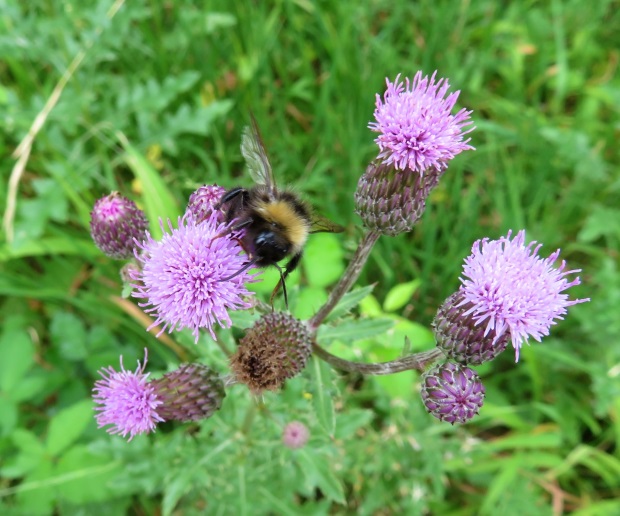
x=418 y=136
x=195 y=275
x=129 y=404
x=508 y=294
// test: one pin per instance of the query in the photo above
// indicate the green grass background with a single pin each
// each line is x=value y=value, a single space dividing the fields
x=156 y=108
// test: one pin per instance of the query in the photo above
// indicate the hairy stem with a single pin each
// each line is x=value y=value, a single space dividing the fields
x=417 y=361
x=346 y=281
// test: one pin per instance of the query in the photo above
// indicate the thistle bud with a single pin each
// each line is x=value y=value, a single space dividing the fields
x=276 y=348
x=202 y=202
x=452 y=393
x=190 y=393
x=295 y=435
x=463 y=339
x=114 y=223
x=391 y=201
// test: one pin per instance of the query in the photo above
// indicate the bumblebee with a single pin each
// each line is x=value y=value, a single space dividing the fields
x=276 y=223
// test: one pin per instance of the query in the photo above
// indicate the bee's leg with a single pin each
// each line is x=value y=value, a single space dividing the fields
x=230 y=195
x=243 y=269
x=236 y=227
x=239 y=196
x=290 y=267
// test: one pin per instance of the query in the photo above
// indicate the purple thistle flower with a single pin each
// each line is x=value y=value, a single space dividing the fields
x=452 y=392
x=514 y=290
x=183 y=276
x=126 y=401
x=202 y=201
x=416 y=128
x=295 y=435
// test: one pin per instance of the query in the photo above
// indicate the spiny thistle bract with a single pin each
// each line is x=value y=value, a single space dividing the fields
x=461 y=338
x=190 y=393
x=452 y=392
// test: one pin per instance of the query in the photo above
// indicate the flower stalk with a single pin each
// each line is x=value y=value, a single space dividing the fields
x=347 y=280
x=418 y=361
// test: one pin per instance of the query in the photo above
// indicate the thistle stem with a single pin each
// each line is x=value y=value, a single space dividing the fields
x=346 y=281
x=417 y=361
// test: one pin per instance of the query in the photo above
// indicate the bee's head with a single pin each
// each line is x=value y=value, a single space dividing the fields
x=271 y=244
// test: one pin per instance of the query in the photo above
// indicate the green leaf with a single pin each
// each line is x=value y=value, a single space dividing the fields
x=83 y=477
x=349 y=301
x=31 y=453
x=400 y=295
x=318 y=472
x=175 y=488
x=400 y=386
x=351 y=331
x=17 y=352
x=308 y=301
x=351 y=420
x=9 y=411
x=68 y=425
x=323 y=260
x=36 y=494
x=370 y=307
x=214 y=21
x=69 y=334
x=549 y=439
x=323 y=400
x=244 y=318
x=28 y=388
x=597 y=224
x=278 y=504
x=159 y=203
x=49 y=246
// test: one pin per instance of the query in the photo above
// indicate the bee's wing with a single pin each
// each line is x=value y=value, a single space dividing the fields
x=320 y=224
x=256 y=158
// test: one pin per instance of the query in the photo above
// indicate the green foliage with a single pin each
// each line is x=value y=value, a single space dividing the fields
x=156 y=107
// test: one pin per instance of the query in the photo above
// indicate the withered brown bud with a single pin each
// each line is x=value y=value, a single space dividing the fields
x=275 y=349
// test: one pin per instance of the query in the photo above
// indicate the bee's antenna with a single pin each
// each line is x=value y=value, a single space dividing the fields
x=275 y=290
x=243 y=269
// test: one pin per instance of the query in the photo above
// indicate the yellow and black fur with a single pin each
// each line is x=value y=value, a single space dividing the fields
x=276 y=223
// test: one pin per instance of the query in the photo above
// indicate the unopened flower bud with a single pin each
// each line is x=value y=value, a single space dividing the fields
x=391 y=201
x=114 y=223
x=190 y=393
x=202 y=202
x=295 y=435
x=452 y=393
x=275 y=349
x=461 y=337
